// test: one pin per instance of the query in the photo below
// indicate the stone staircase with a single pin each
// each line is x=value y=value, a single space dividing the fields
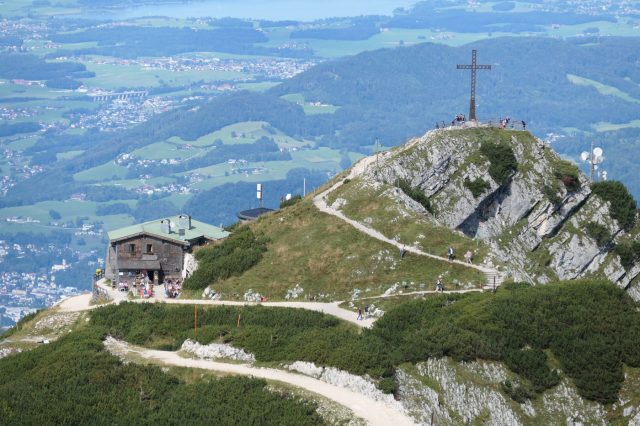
x=493 y=280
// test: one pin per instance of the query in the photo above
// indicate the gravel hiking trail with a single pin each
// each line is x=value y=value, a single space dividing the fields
x=320 y=201
x=82 y=303
x=374 y=412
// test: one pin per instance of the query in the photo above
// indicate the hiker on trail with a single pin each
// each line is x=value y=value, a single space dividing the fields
x=440 y=285
x=366 y=311
x=450 y=253
x=524 y=125
x=437 y=125
x=468 y=256
x=359 y=314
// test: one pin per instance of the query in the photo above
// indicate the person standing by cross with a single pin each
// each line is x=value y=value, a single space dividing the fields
x=473 y=67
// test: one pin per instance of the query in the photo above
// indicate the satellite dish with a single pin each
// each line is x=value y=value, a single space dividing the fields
x=598 y=152
x=584 y=156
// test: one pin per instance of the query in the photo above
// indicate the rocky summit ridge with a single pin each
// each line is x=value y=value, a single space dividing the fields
x=533 y=216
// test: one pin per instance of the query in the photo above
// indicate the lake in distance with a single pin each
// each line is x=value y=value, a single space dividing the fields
x=299 y=10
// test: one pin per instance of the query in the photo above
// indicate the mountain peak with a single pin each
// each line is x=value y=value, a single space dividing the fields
x=531 y=213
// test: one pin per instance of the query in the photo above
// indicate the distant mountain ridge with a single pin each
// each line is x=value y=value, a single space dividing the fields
x=391 y=95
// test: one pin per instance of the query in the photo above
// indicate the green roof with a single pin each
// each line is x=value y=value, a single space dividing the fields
x=198 y=229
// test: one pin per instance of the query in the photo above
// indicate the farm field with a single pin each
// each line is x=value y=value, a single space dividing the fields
x=115 y=77
x=106 y=171
x=602 y=88
x=310 y=107
x=611 y=127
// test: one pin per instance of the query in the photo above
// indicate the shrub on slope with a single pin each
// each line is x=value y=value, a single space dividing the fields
x=591 y=328
x=271 y=334
x=234 y=255
x=503 y=163
x=76 y=381
x=623 y=205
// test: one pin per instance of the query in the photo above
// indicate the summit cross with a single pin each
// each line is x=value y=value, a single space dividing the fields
x=473 y=67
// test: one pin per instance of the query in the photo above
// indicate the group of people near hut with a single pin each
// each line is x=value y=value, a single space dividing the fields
x=172 y=288
x=143 y=286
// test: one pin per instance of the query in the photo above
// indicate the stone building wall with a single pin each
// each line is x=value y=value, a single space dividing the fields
x=145 y=248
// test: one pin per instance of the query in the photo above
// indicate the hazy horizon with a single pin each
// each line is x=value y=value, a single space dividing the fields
x=300 y=10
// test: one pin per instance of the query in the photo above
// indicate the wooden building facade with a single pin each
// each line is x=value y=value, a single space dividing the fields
x=156 y=249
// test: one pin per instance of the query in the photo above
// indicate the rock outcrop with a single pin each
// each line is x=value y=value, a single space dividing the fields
x=535 y=223
x=344 y=379
x=190 y=265
x=443 y=392
x=216 y=351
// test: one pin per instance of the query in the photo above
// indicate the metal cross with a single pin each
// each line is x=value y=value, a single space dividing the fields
x=473 y=67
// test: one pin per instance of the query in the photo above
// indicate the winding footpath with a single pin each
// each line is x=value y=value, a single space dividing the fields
x=374 y=412
x=320 y=201
x=83 y=303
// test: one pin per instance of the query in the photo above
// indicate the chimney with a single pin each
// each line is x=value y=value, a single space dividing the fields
x=165 y=226
x=184 y=221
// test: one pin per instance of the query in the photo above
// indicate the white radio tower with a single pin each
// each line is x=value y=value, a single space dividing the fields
x=594 y=158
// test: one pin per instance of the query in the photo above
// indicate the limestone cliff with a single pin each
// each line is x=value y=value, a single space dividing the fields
x=532 y=222
x=444 y=392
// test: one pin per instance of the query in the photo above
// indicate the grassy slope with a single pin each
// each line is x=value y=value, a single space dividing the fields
x=382 y=213
x=328 y=257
